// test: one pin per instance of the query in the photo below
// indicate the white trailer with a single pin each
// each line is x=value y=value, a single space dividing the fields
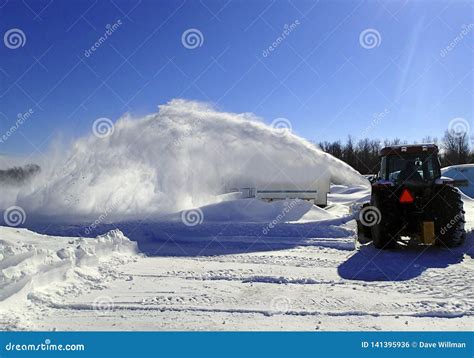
x=316 y=192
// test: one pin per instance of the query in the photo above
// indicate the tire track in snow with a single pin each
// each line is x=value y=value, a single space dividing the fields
x=116 y=308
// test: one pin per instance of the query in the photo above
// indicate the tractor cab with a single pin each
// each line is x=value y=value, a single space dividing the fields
x=415 y=164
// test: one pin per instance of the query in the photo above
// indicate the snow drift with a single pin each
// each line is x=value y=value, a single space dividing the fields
x=30 y=263
x=181 y=157
x=257 y=211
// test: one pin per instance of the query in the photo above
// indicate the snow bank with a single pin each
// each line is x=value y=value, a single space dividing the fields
x=258 y=211
x=29 y=261
x=184 y=156
x=462 y=172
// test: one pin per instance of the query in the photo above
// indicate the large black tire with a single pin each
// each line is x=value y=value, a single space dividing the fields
x=385 y=233
x=364 y=233
x=449 y=217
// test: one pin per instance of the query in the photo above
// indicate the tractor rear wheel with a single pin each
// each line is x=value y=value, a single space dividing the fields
x=449 y=212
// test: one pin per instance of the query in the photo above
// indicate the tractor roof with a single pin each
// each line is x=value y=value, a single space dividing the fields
x=411 y=149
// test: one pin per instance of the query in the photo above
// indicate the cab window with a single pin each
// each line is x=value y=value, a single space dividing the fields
x=413 y=168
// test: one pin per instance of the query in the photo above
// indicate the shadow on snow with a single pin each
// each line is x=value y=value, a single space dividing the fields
x=371 y=264
x=170 y=238
x=367 y=264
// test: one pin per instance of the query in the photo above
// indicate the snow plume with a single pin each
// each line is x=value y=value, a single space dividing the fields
x=181 y=157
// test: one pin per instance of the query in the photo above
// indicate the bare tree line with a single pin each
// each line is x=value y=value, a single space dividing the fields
x=363 y=155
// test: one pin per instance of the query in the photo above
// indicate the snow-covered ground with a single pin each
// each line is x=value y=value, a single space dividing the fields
x=31 y=263
x=305 y=272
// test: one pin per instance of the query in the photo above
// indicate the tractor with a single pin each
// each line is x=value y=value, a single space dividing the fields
x=410 y=199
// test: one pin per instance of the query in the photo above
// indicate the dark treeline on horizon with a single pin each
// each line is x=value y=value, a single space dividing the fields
x=363 y=154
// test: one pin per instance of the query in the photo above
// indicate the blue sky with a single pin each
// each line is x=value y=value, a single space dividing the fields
x=320 y=76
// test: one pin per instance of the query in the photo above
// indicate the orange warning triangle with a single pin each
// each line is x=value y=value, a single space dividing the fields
x=406 y=197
